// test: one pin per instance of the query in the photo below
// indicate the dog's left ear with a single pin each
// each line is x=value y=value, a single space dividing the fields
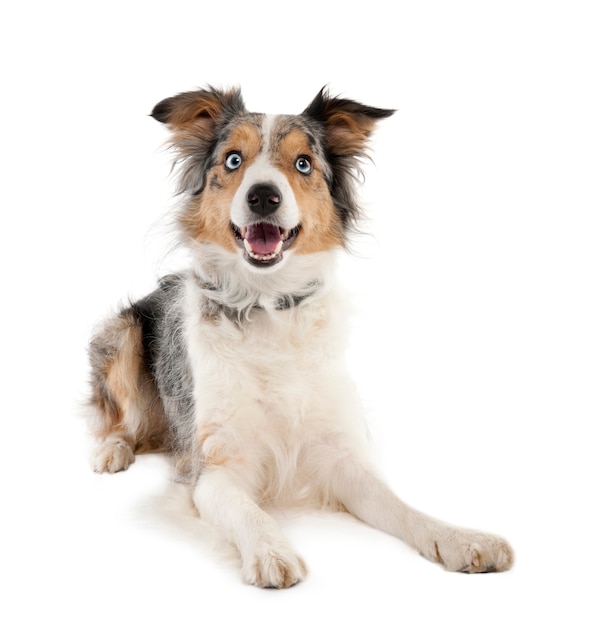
x=347 y=124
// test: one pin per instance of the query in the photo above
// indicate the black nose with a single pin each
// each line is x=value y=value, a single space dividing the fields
x=263 y=199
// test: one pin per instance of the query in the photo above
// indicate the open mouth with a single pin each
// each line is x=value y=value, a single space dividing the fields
x=264 y=243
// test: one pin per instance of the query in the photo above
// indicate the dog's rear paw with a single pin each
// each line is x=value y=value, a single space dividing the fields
x=273 y=566
x=113 y=455
x=472 y=552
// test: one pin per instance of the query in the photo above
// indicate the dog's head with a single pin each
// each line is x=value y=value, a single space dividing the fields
x=266 y=187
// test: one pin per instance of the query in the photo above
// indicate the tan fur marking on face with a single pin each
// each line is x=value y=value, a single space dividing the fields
x=321 y=229
x=207 y=217
x=246 y=139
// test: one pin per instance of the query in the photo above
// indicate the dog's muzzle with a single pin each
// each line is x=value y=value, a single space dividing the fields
x=264 y=240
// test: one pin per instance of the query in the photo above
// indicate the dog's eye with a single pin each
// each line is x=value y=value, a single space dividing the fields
x=233 y=161
x=303 y=165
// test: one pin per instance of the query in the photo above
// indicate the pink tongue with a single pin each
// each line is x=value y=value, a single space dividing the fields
x=263 y=238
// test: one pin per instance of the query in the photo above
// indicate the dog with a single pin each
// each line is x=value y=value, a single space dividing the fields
x=235 y=367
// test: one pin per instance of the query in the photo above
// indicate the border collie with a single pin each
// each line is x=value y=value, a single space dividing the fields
x=235 y=367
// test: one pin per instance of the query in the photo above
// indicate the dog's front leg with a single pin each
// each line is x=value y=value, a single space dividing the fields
x=367 y=497
x=267 y=558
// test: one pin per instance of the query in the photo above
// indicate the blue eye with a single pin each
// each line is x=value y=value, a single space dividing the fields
x=303 y=165
x=233 y=161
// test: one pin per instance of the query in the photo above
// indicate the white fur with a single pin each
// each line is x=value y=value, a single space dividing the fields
x=279 y=417
x=113 y=455
x=286 y=415
x=263 y=171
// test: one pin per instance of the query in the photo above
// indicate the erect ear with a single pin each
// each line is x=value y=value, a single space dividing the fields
x=347 y=124
x=199 y=110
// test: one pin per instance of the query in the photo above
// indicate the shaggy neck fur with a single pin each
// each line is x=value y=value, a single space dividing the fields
x=225 y=280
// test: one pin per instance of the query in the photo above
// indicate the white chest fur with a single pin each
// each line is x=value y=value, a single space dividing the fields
x=269 y=389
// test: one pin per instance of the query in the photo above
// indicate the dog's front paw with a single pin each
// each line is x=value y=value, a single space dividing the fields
x=471 y=552
x=274 y=566
x=113 y=455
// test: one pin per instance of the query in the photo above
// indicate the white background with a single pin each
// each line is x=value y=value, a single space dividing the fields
x=472 y=339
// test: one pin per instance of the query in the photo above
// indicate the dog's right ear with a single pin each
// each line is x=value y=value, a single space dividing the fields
x=201 y=110
x=195 y=118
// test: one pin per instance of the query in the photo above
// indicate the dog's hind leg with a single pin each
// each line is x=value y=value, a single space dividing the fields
x=367 y=497
x=123 y=394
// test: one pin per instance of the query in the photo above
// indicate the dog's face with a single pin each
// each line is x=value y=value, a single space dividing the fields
x=267 y=186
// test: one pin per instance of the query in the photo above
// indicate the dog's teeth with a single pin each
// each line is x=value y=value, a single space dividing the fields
x=262 y=257
x=243 y=232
